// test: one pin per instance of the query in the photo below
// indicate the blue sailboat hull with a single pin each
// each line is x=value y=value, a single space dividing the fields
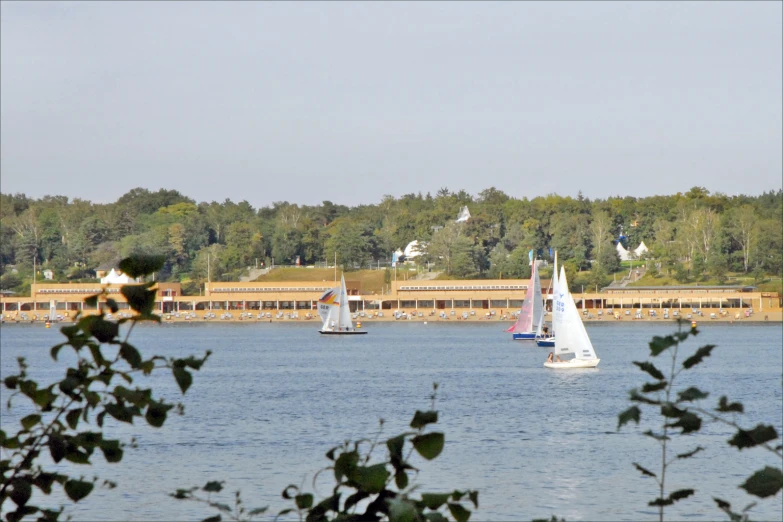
x=524 y=336
x=547 y=343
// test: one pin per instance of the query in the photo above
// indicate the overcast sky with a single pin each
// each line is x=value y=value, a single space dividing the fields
x=313 y=101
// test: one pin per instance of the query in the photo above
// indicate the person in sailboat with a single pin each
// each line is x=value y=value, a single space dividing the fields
x=545 y=330
x=551 y=357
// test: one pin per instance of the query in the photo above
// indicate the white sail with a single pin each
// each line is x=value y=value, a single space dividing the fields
x=345 y=311
x=571 y=334
x=556 y=314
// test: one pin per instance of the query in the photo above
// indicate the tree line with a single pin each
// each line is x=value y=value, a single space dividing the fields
x=692 y=233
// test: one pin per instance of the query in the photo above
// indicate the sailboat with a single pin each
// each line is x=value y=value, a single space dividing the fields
x=548 y=340
x=531 y=312
x=572 y=338
x=333 y=310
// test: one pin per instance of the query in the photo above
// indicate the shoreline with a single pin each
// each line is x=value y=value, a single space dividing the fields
x=774 y=316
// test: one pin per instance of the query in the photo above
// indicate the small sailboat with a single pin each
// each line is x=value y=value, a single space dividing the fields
x=572 y=341
x=333 y=310
x=531 y=312
x=545 y=338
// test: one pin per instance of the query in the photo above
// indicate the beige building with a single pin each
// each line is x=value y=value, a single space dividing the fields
x=434 y=296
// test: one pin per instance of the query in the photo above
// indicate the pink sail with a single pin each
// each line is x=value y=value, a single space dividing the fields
x=526 y=320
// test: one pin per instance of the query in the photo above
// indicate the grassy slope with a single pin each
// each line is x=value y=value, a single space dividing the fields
x=371 y=280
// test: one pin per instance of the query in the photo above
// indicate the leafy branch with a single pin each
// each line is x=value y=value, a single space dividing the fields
x=89 y=391
x=683 y=416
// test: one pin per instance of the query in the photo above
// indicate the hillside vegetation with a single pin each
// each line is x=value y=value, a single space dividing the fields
x=693 y=237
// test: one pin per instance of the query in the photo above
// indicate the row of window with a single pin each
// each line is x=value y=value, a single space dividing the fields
x=469 y=287
x=260 y=290
x=76 y=291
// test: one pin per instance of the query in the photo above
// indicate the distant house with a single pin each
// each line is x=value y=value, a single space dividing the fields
x=48 y=274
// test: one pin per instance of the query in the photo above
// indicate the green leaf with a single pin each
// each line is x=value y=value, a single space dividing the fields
x=156 y=413
x=429 y=445
x=659 y=344
x=401 y=510
x=689 y=422
x=653 y=387
x=112 y=451
x=422 y=418
x=119 y=412
x=137 y=266
x=726 y=407
x=661 y=502
x=44 y=481
x=286 y=495
x=371 y=479
x=104 y=331
x=690 y=453
x=635 y=397
x=57 y=447
x=473 y=496
x=216 y=518
x=345 y=464
x=691 y=394
x=213 y=486
x=78 y=489
x=459 y=513
x=258 y=511
x=401 y=479
x=30 y=421
x=758 y=435
x=670 y=410
x=700 y=354
x=354 y=499
x=131 y=355
x=764 y=483
x=651 y=369
x=183 y=377
x=112 y=304
x=304 y=501
x=436 y=516
x=434 y=500
x=395 y=446
x=91 y=301
x=21 y=492
x=644 y=470
x=680 y=494
x=72 y=418
x=631 y=414
x=53 y=353
x=139 y=298
x=722 y=503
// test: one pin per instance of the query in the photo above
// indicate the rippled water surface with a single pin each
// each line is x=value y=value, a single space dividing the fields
x=535 y=442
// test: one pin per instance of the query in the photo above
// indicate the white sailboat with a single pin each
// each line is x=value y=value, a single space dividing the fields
x=333 y=310
x=531 y=312
x=572 y=338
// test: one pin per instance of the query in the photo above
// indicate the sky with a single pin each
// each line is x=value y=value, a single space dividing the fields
x=350 y=101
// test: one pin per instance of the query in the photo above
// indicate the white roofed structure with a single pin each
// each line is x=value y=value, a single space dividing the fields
x=116 y=277
x=464 y=215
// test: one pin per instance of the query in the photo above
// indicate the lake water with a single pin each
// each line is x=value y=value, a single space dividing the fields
x=535 y=442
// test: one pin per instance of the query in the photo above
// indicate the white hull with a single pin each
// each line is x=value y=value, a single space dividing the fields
x=573 y=363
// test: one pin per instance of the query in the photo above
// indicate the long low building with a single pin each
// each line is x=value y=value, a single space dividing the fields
x=435 y=295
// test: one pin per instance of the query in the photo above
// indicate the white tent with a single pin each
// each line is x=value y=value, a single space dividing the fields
x=463 y=216
x=641 y=249
x=116 y=278
x=412 y=250
x=622 y=252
